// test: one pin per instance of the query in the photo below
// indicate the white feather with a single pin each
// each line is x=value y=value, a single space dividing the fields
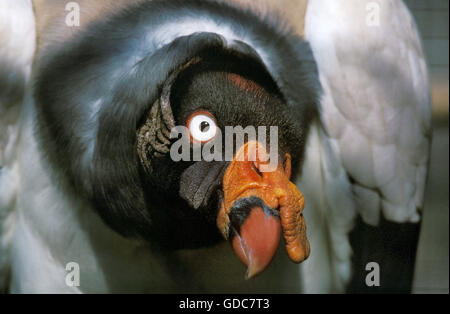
x=17 y=37
x=375 y=126
x=380 y=114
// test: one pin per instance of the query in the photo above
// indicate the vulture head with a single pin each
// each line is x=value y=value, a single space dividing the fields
x=109 y=101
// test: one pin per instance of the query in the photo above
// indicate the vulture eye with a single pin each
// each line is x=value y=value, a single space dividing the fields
x=202 y=126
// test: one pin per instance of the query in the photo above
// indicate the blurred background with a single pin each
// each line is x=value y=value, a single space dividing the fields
x=432 y=266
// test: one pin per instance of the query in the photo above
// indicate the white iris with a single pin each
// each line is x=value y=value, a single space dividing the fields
x=202 y=128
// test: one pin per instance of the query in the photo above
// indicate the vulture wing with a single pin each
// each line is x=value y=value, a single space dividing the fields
x=17 y=37
x=371 y=145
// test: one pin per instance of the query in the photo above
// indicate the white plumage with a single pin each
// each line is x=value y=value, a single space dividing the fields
x=375 y=126
x=378 y=112
x=370 y=149
x=17 y=36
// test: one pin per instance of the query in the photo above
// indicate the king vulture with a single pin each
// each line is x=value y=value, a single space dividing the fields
x=87 y=104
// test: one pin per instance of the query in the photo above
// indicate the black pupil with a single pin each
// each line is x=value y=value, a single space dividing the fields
x=204 y=126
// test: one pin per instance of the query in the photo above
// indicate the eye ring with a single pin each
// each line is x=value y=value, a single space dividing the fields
x=202 y=126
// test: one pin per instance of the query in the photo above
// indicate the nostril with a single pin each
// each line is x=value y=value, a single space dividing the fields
x=256 y=169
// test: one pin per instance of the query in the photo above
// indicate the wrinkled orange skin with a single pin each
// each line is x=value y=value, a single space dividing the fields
x=243 y=179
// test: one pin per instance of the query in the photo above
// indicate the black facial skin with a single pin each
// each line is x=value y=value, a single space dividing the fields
x=93 y=92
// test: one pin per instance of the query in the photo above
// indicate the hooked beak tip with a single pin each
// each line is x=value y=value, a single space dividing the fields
x=257 y=241
x=253 y=269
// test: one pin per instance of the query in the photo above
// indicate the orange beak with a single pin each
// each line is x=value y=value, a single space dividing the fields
x=258 y=206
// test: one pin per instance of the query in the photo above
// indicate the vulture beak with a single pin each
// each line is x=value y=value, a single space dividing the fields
x=258 y=206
